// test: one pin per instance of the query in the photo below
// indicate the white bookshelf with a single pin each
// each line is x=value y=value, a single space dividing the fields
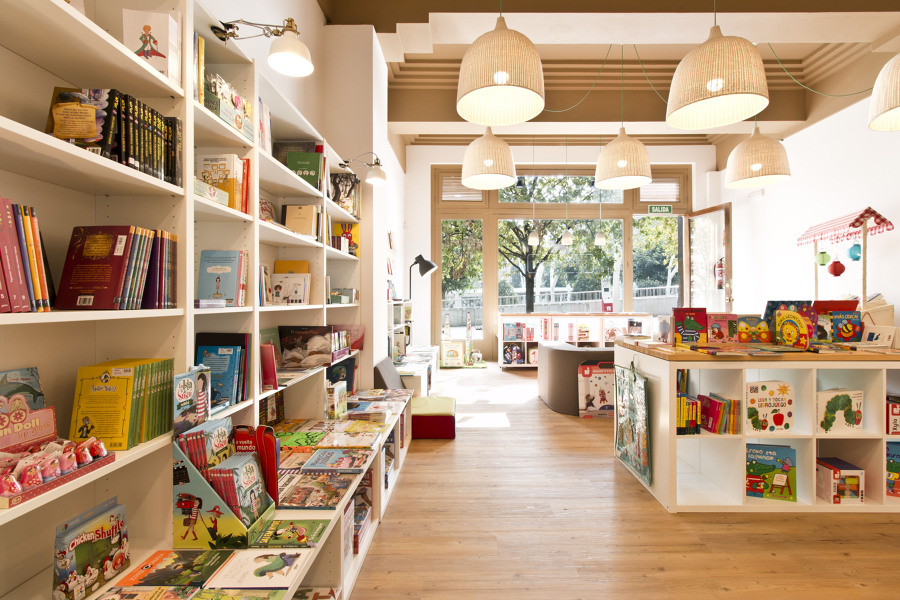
x=706 y=472
x=47 y=43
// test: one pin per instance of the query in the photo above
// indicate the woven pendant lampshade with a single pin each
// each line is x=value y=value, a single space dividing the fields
x=884 y=107
x=718 y=83
x=599 y=238
x=533 y=238
x=624 y=164
x=567 y=238
x=501 y=80
x=756 y=162
x=488 y=163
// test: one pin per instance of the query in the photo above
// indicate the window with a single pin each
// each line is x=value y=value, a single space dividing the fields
x=462 y=285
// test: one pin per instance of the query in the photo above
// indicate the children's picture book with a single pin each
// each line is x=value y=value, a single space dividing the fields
x=90 y=550
x=265 y=568
x=823 y=328
x=19 y=389
x=793 y=329
x=219 y=276
x=753 y=330
x=350 y=439
x=345 y=192
x=846 y=326
x=104 y=405
x=290 y=288
x=225 y=364
x=208 y=444
x=804 y=307
x=349 y=232
x=191 y=399
x=313 y=491
x=308 y=166
x=224 y=171
x=93 y=274
x=318 y=594
x=175 y=592
x=176 y=567
x=690 y=326
x=238 y=480
x=305 y=346
x=770 y=407
x=154 y=37
x=596 y=389
x=290 y=534
x=722 y=328
x=236 y=594
x=771 y=472
x=337 y=460
x=839 y=411
x=892 y=466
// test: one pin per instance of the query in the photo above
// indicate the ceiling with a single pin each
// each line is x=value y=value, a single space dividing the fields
x=823 y=45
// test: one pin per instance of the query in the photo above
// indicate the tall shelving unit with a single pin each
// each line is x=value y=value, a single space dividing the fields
x=48 y=43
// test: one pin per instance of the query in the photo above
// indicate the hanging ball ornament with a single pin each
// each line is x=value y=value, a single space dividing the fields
x=855 y=252
x=836 y=268
x=822 y=258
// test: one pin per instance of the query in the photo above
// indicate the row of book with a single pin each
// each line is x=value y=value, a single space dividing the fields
x=118 y=267
x=228 y=357
x=229 y=174
x=119 y=127
x=25 y=281
x=222 y=278
x=343 y=296
x=239 y=482
x=123 y=402
x=289 y=282
x=713 y=413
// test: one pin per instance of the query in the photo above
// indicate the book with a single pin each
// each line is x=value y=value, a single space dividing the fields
x=91 y=549
x=337 y=460
x=239 y=482
x=349 y=439
x=596 y=389
x=208 y=444
x=306 y=593
x=892 y=466
x=839 y=482
x=105 y=405
x=846 y=326
x=305 y=346
x=690 y=326
x=155 y=38
x=793 y=329
x=21 y=389
x=268 y=367
x=11 y=260
x=290 y=534
x=839 y=411
x=290 y=288
x=302 y=219
x=335 y=399
x=770 y=407
x=349 y=232
x=219 y=275
x=93 y=274
x=345 y=192
x=308 y=166
x=260 y=569
x=224 y=171
x=225 y=364
x=190 y=568
x=243 y=340
x=323 y=491
x=722 y=328
x=291 y=266
x=752 y=329
x=771 y=472
x=191 y=399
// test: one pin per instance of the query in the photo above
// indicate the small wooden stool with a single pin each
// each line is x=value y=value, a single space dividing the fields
x=433 y=418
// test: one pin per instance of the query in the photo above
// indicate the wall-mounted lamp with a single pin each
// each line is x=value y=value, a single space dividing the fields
x=375 y=173
x=425 y=267
x=287 y=54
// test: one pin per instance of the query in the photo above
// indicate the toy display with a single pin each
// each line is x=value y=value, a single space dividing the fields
x=839 y=482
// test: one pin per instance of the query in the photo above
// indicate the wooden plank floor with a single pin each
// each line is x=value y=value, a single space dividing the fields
x=536 y=508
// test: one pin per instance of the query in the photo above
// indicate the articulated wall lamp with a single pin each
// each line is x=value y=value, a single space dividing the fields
x=375 y=174
x=287 y=55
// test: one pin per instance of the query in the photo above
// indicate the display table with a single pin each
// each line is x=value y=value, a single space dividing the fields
x=707 y=472
x=558 y=373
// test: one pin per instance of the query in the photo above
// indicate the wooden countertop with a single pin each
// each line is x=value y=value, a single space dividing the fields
x=684 y=355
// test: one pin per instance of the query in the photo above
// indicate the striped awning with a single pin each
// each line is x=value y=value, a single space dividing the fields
x=845 y=228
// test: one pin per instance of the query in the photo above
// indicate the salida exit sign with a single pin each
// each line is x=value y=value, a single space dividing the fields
x=659 y=209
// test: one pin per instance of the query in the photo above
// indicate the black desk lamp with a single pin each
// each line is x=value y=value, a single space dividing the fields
x=425 y=267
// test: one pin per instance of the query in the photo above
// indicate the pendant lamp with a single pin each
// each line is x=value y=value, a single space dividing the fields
x=599 y=238
x=501 y=80
x=718 y=83
x=756 y=162
x=624 y=163
x=884 y=107
x=567 y=238
x=488 y=163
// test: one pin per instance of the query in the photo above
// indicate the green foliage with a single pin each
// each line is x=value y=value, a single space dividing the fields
x=461 y=255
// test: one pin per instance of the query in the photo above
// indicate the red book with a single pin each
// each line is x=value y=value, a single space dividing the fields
x=94 y=271
x=11 y=258
x=245 y=192
x=5 y=306
x=267 y=365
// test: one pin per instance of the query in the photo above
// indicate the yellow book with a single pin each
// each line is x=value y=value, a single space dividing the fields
x=291 y=266
x=103 y=405
x=39 y=301
x=143 y=398
x=349 y=231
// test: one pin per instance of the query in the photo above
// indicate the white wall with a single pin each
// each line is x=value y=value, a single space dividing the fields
x=838 y=166
x=417 y=227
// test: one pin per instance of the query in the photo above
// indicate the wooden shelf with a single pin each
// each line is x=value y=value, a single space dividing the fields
x=275 y=235
x=59 y=39
x=354 y=305
x=75 y=316
x=230 y=410
x=123 y=459
x=277 y=179
x=210 y=130
x=287 y=307
x=228 y=310
x=38 y=155
x=334 y=253
x=288 y=123
x=208 y=211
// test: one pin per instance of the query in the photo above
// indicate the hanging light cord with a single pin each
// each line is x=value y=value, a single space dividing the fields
x=591 y=89
x=806 y=87
x=653 y=87
x=622 y=94
x=532 y=174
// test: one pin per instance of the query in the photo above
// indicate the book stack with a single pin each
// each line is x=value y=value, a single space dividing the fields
x=226 y=368
x=238 y=480
x=118 y=127
x=208 y=445
x=719 y=414
x=225 y=340
x=313 y=491
x=118 y=267
x=229 y=173
x=362 y=509
x=222 y=278
x=336 y=460
x=688 y=415
x=123 y=402
x=25 y=281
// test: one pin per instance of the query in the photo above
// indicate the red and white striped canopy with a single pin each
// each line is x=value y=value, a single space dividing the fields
x=845 y=228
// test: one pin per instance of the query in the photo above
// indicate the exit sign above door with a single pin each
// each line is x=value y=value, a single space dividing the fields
x=659 y=209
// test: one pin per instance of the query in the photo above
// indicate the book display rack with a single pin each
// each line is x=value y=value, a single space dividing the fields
x=49 y=43
x=708 y=472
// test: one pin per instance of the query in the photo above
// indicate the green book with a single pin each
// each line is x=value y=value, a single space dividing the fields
x=307 y=165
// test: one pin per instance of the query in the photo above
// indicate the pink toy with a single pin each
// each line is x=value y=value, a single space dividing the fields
x=68 y=462
x=9 y=484
x=83 y=455
x=31 y=477
x=97 y=448
x=50 y=469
